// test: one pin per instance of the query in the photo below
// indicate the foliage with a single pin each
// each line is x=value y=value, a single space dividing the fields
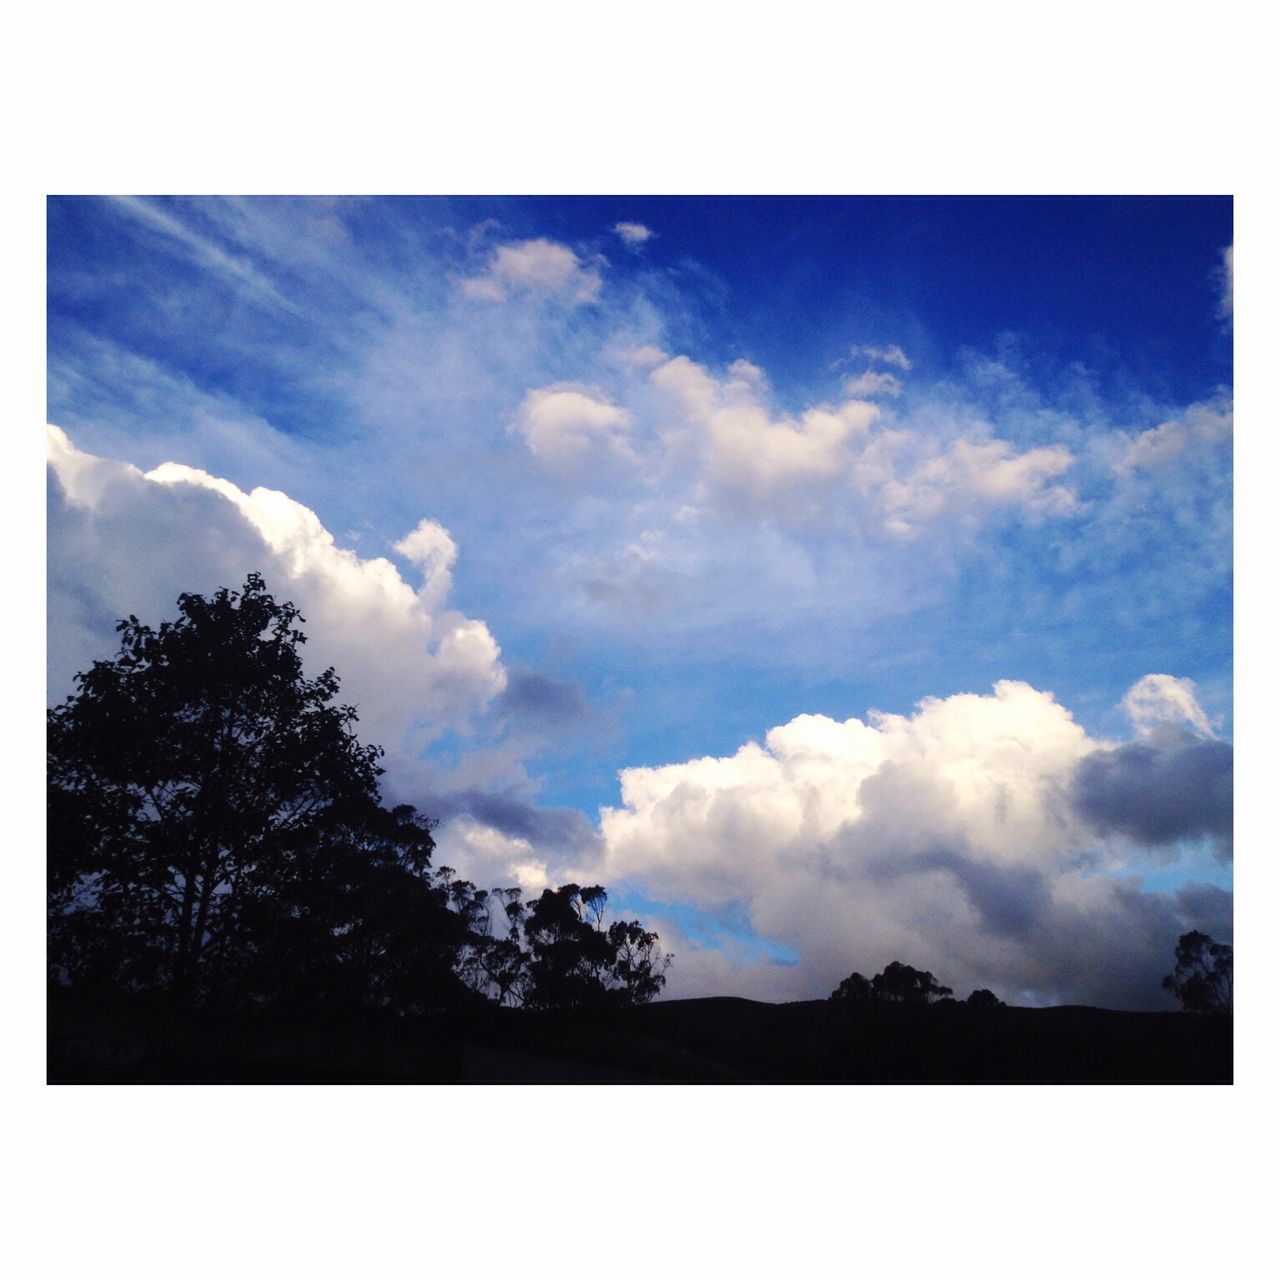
x=897 y=983
x=984 y=999
x=901 y=984
x=575 y=961
x=187 y=778
x=855 y=989
x=1202 y=975
x=216 y=835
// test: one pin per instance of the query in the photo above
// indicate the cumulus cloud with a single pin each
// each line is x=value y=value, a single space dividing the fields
x=973 y=476
x=430 y=547
x=829 y=459
x=122 y=541
x=1202 y=425
x=485 y=855
x=951 y=839
x=632 y=234
x=1173 y=784
x=747 y=450
x=564 y=424
x=1175 y=787
x=538 y=267
x=1158 y=700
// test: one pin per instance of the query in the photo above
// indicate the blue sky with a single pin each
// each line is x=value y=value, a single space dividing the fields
x=685 y=490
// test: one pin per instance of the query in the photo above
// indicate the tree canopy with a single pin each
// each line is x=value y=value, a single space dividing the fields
x=576 y=960
x=216 y=835
x=896 y=983
x=1202 y=975
x=983 y=999
x=904 y=985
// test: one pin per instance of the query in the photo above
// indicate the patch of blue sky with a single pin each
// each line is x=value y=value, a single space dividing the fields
x=726 y=928
x=1193 y=861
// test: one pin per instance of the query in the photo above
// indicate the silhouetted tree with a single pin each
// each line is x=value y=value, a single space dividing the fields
x=575 y=961
x=186 y=777
x=1202 y=975
x=983 y=999
x=855 y=989
x=901 y=984
x=358 y=918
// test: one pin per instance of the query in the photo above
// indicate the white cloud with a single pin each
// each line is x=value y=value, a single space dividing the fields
x=537 y=267
x=872 y=383
x=122 y=542
x=1227 y=305
x=1204 y=424
x=430 y=547
x=978 y=475
x=1158 y=700
x=947 y=839
x=488 y=857
x=562 y=424
x=748 y=451
x=632 y=234
x=893 y=355
x=817 y=464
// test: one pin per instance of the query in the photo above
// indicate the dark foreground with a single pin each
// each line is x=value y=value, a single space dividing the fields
x=718 y=1040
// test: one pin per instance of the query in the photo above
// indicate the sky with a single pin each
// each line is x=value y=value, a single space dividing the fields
x=838 y=581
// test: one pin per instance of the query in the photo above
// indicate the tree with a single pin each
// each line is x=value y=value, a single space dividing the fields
x=359 y=919
x=1202 y=975
x=901 y=984
x=189 y=779
x=984 y=999
x=855 y=989
x=574 y=961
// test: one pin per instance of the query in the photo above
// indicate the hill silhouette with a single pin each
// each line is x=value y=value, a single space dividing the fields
x=717 y=1040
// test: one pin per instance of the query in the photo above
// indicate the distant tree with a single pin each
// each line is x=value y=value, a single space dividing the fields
x=855 y=989
x=1202 y=975
x=500 y=965
x=983 y=999
x=575 y=961
x=900 y=983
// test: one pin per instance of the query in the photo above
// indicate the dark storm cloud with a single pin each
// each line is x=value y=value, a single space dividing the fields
x=1009 y=900
x=1158 y=792
x=540 y=701
x=563 y=831
x=1208 y=908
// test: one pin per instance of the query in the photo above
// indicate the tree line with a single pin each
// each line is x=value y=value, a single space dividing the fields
x=1202 y=982
x=216 y=836
x=900 y=984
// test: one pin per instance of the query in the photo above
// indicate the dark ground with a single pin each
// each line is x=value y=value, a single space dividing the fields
x=717 y=1040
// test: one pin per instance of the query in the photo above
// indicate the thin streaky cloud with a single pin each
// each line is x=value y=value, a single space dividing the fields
x=203 y=250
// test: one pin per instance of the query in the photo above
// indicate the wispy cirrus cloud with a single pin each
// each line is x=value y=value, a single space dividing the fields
x=237 y=269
